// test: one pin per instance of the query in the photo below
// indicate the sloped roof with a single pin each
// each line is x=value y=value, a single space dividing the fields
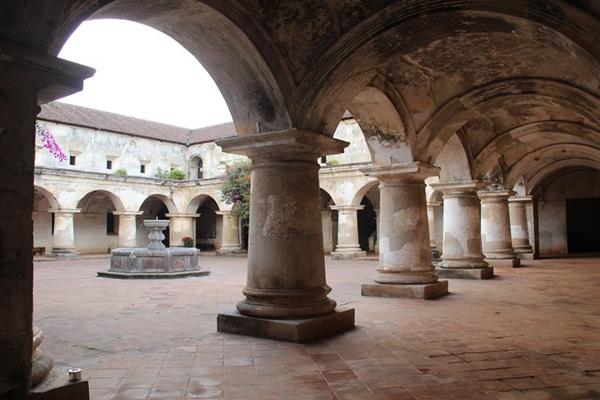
x=107 y=121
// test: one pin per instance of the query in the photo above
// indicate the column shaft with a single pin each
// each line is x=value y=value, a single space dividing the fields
x=63 y=239
x=327 y=231
x=432 y=221
x=404 y=248
x=181 y=225
x=518 y=224
x=230 y=238
x=128 y=228
x=462 y=255
x=348 y=245
x=495 y=225
x=286 y=267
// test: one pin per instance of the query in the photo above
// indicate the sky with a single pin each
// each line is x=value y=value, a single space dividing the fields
x=143 y=73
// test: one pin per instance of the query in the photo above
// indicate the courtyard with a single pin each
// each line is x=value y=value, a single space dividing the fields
x=531 y=333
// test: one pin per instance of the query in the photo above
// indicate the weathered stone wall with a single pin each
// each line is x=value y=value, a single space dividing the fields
x=552 y=207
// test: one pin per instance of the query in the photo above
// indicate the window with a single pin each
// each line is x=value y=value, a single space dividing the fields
x=324 y=160
x=200 y=171
x=142 y=168
x=72 y=160
x=108 y=164
x=110 y=224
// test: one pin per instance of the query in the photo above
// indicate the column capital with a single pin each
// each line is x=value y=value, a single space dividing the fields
x=520 y=199
x=347 y=209
x=492 y=196
x=405 y=172
x=281 y=145
x=65 y=210
x=458 y=188
x=182 y=215
x=434 y=203
x=226 y=212
x=51 y=77
x=128 y=213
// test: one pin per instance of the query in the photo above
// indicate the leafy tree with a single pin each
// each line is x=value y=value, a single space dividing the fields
x=236 y=189
x=121 y=172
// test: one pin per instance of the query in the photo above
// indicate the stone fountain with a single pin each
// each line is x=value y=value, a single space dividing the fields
x=155 y=260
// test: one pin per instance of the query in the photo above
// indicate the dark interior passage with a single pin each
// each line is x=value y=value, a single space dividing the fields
x=583 y=225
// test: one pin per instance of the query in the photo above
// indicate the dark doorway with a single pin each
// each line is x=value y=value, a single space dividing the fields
x=583 y=225
x=367 y=223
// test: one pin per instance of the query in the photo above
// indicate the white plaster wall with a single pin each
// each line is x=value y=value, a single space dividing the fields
x=90 y=234
x=214 y=161
x=357 y=151
x=93 y=147
x=42 y=230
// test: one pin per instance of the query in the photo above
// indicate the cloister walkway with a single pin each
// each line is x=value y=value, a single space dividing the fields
x=531 y=333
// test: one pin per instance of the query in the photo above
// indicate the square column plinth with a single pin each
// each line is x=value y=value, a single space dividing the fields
x=429 y=291
x=466 y=273
x=290 y=330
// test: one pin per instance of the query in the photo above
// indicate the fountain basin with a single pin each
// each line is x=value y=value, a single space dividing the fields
x=140 y=263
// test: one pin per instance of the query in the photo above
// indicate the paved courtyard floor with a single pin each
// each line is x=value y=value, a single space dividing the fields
x=532 y=333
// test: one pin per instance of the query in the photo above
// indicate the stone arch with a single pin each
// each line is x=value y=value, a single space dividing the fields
x=358 y=196
x=195 y=167
x=382 y=119
x=564 y=131
x=197 y=202
x=455 y=113
x=223 y=37
x=326 y=198
x=48 y=195
x=542 y=157
x=358 y=56
x=168 y=203
x=116 y=201
x=540 y=175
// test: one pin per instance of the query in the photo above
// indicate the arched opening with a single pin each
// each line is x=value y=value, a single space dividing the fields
x=208 y=231
x=196 y=168
x=43 y=220
x=329 y=220
x=96 y=228
x=568 y=212
x=367 y=220
x=154 y=207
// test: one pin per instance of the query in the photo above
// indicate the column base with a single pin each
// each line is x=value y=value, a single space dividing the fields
x=526 y=256
x=57 y=386
x=235 y=252
x=289 y=330
x=151 y=275
x=428 y=291
x=465 y=273
x=65 y=253
x=505 y=262
x=347 y=255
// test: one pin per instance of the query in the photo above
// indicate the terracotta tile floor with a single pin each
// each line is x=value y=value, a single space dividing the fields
x=532 y=333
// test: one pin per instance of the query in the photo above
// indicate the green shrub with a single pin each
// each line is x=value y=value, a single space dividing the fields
x=161 y=173
x=176 y=174
x=333 y=163
x=121 y=172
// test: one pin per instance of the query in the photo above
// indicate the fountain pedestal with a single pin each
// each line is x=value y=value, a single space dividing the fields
x=155 y=260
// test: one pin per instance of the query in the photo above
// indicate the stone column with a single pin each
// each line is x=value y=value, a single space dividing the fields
x=347 y=245
x=405 y=268
x=431 y=219
x=377 y=225
x=230 y=242
x=63 y=239
x=128 y=227
x=181 y=225
x=495 y=226
x=519 y=230
x=327 y=231
x=27 y=78
x=286 y=291
x=462 y=256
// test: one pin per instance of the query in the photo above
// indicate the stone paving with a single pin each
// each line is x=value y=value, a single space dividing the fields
x=532 y=333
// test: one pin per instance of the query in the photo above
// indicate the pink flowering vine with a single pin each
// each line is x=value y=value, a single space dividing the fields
x=49 y=143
